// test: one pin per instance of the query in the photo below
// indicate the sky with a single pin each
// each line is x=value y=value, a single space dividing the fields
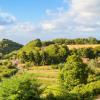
x=25 y=20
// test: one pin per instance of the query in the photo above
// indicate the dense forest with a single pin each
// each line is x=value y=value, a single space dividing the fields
x=77 y=71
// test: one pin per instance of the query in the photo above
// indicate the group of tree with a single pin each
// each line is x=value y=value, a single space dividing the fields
x=90 y=53
x=51 y=54
x=89 y=40
x=80 y=81
x=37 y=54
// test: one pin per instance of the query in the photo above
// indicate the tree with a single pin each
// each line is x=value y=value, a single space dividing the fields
x=56 y=53
x=52 y=51
x=31 y=56
x=63 y=53
x=97 y=51
x=34 y=43
x=37 y=57
x=85 y=52
x=92 y=40
x=37 y=43
x=24 y=57
x=74 y=72
x=44 y=57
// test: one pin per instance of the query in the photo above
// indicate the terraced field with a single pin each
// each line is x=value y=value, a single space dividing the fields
x=45 y=74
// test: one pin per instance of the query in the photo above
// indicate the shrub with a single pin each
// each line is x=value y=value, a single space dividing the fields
x=9 y=73
x=20 y=88
x=88 y=91
x=57 y=66
x=10 y=65
x=94 y=65
x=28 y=64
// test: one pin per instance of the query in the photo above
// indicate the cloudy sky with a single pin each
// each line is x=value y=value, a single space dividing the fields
x=24 y=20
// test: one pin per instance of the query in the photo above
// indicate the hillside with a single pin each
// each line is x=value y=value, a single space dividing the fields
x=31 y=45
x=57 y=68
x=71 y=43
x=7 y=46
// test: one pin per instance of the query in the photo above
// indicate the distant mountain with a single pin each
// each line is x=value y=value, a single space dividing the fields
x=7 y=46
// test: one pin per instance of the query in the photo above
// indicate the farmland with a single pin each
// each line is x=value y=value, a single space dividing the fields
x=83 y=46
x=45 y=74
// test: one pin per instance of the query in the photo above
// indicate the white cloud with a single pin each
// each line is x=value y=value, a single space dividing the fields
x=11 y=28
x=20 y=32
x=23 y=27
x=46 y=26
x=6 y=18
x=2 y=28
x=82 y=16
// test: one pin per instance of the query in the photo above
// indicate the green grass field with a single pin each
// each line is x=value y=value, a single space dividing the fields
x=45 y=75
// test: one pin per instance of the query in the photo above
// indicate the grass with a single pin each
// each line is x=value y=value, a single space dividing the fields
x=83 y=46
x=45 y=75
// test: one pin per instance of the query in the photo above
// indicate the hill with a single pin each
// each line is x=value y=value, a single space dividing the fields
x=7 y=46
x=41 y=45
x=31 y=45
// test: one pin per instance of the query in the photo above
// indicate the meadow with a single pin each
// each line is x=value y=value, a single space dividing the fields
x=83 y=46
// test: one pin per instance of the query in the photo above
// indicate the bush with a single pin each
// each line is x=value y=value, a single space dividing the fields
x=28 y=64
x=88 y=91
x=57 y=66
x=10 y=65
x=94 y=65
x=5 y=62
x=20 y=88
x=86 y=53
x=97 y=51
x=54 y=66
x=9 y=73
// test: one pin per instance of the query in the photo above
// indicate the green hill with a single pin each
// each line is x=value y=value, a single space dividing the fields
x=7 y=46
x=34 y=44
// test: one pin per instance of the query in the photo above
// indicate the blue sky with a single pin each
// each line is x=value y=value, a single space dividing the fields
x=29 y=10
x=24 y=20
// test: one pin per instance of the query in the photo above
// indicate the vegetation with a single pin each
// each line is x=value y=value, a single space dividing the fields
x=89 y=40
x=7 y=69
x=51 y=54
x=62 y=73
x=74 y=72
x=20 y=88
x=7 y=46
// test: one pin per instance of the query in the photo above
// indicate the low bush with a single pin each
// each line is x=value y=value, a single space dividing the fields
x=57 y=66
x=22 y=87
x=88 y=91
